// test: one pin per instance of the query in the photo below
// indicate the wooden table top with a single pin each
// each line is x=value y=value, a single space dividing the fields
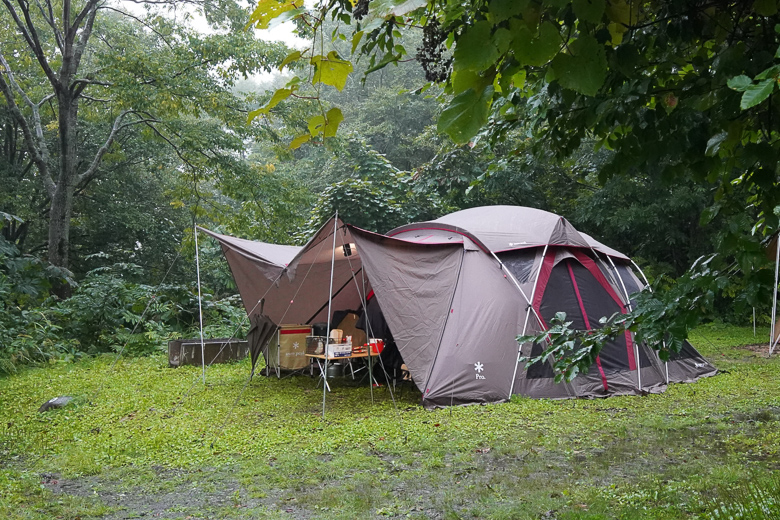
x=334 y=358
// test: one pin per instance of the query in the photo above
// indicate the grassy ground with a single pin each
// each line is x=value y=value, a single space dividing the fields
x=142 y=440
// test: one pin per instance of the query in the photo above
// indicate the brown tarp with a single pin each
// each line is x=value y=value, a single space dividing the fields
x=291 y=284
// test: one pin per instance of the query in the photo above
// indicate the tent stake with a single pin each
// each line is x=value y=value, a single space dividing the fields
x=200 y=307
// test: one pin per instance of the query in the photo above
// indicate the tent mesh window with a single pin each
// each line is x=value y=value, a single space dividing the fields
x=572 y=289
x=520 y=263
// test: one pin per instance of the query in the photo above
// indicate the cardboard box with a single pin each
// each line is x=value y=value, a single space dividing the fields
x=339 y=349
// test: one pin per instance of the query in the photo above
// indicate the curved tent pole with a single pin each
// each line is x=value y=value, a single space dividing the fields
x=628 y=304
x=647 y=284
x=527 y=315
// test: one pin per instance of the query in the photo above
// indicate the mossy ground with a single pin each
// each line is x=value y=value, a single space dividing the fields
x=143 y=440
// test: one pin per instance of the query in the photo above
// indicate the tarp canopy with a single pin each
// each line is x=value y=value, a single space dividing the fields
x=290 y=284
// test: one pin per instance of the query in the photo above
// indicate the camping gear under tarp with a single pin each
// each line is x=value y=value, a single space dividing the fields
x=457 y=291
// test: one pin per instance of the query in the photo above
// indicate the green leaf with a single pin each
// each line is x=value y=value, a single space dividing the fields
x=585 y=69
x=709 y=214
x=386 y=60
x=327 y=124
x=474 y=50
x=765 y=7
x=501 y=39
x=279 y=96
x=739 y=83
x=331 y=70
x=535 y=50
x=518 y=80
x=293 y=56
x=356 y=40
x=267 y=10
x=298 y=141
x=589 y=10
x=466 y=114
x=713 y=145
x=462 y=80
x=771 y=72
x=757 y=93
x=334 y=119
x=501 y=10
x=316 y=124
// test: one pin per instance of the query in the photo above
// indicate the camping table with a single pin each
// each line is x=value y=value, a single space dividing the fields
x=322 y=361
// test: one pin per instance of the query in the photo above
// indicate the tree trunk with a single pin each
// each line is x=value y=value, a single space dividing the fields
x=62 y=202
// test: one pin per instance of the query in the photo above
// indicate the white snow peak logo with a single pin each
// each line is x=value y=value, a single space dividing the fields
x=296 y=345
x=479 y=367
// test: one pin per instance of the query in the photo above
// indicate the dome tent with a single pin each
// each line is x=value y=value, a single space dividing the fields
x=457 y=291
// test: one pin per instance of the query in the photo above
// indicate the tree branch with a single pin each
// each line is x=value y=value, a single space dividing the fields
x=92 y=170
x=142 y=22
x=27 y=28
x=90 y=12
x=36 y=145
x=48 y=16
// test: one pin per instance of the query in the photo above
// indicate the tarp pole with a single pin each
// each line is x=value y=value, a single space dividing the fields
x=330 y=303
x=628 y=305
x=527 y=315
x=200 y=306
x=773 y=332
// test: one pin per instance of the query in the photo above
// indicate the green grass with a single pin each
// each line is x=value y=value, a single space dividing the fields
x=141 y=439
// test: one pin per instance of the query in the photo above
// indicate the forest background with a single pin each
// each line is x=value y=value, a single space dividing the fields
x=123 y=130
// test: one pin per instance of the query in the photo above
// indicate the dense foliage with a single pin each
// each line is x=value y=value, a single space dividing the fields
x=419 y=122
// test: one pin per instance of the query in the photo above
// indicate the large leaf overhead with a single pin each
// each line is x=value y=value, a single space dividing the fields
x=466 y=114
x=475 y=50
x=585 y=69
x=535 y=49
x=331 y=70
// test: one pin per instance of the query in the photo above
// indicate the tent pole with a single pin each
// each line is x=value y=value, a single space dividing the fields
x=647 y=284
x=774 y=299
x=628 y=305
x=200 y=306
x=527 y=315
x=368 y=325
x=330 y=303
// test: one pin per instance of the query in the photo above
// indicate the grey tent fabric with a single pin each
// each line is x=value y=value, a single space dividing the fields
x=416 y=281
x=261 y=330
x=457 y=291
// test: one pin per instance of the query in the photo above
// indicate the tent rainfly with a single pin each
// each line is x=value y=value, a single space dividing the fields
x=457 y=291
